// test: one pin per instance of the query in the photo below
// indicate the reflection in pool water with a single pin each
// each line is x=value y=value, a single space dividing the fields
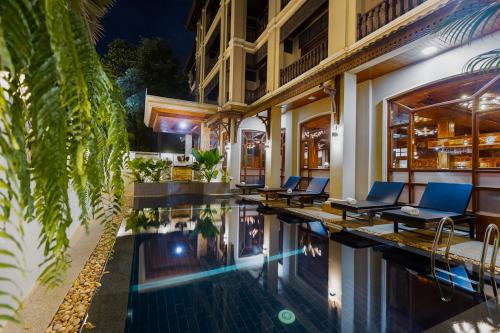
x=227 y=267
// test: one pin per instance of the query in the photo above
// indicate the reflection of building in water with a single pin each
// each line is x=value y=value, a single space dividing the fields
x=313 y=264
x=251 y=231
x=188 y=240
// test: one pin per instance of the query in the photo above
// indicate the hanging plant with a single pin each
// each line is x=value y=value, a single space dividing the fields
x=62 y=128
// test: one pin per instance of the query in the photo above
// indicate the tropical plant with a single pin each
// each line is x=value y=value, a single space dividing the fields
x=136 y=68
x=225 y=177
x=468 y=21
x=140 y=220
x=206 y=163
x=91 y=13
x=145 y=170
x=204 y=223
x=62 y=128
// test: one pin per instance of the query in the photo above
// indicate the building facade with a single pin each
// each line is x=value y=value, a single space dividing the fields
x=356 y=91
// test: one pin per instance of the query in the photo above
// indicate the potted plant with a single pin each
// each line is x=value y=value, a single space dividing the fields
x=206 y=163
x=148 y=175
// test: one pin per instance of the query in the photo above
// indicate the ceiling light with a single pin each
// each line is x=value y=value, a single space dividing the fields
x=183 y=125
x=311 y=98
x=429 y=50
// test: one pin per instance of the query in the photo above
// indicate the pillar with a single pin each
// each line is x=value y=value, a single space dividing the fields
x=271 y=248
x=273 y=158
x=188 y=144
x=342 y=20
x=273 y=48
x=204 y=137
x=343 y=144
x=237 y=52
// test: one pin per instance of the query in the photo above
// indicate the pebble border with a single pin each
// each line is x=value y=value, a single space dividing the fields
x=70 y=316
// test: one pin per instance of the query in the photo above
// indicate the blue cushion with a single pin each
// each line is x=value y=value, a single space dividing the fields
x=317 y=185
x=291 y=183
x=448 y=197
x=387 y=192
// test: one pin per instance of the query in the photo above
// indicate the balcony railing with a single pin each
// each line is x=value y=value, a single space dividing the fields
x=253 y=95
x=305 y=63
x=284 y=3
x=383 y=13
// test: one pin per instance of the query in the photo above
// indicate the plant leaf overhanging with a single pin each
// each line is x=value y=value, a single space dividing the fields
x=471 y=20
x=62 y=130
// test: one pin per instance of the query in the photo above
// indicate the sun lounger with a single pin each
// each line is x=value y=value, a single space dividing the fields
x=250 y=187
x=382 y=196
x=291 y=183
x=316 y=189
x=439 y=200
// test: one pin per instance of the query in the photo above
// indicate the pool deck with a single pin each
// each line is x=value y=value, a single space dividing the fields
x=463 y=248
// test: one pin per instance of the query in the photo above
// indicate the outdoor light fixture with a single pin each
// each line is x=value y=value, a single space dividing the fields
x=183 y=125
x=429 y=50
x=331 y=91
x=335 y=130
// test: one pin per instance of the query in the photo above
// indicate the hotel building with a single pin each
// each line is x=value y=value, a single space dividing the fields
x=356 y=91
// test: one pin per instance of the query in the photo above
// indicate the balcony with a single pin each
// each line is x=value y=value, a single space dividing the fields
x=253 y=95
x=383 y=13
x=305 y=63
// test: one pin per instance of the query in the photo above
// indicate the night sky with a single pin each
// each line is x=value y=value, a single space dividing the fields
x=133 y=19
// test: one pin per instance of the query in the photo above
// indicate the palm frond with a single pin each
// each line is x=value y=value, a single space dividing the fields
x=489 y=61
x=468 y=21
x=91 y=12
x=62 y=130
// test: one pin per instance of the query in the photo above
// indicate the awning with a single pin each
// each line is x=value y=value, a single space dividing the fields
x=168 y=115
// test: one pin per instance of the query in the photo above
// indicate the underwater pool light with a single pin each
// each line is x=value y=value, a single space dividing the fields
x=179 y=249
x=286 y=316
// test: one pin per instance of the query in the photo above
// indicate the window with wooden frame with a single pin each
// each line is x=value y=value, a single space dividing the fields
x=253 y=156
x=448 y=131
x=315 y=148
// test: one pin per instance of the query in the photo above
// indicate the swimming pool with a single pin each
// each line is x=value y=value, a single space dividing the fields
x=225 y=266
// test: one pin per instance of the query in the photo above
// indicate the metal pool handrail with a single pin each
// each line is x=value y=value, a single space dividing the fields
x=437 y=239
x=492 y=229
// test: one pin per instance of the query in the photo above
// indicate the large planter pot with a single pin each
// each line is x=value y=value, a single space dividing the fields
x=149 y=189
x=180 y=188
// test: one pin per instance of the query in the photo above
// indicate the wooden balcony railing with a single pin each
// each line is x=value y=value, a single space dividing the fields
x=305 y=63
x=253 y=95
x=383 y=13
x=284 y=3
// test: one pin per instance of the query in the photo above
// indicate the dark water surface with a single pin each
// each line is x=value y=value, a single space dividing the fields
x=226 y=267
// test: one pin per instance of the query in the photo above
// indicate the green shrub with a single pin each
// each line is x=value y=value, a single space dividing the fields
x=206 y=163
x=145 y=170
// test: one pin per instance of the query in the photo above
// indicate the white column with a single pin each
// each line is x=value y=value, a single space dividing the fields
x=204 y=137
x=188 y=144
x=343 y=144
x=271 y=246
x=273 y=158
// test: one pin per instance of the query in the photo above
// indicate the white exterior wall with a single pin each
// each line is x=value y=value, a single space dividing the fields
x=31 y=256
x=372 y=96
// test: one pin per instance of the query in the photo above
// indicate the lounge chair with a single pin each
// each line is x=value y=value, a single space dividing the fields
x=250 y=187
x=382 y=196
x=291 y=183
x=439 y=200
x=316 y=189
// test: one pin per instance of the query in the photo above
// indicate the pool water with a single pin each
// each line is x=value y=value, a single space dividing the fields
x=227 y=267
